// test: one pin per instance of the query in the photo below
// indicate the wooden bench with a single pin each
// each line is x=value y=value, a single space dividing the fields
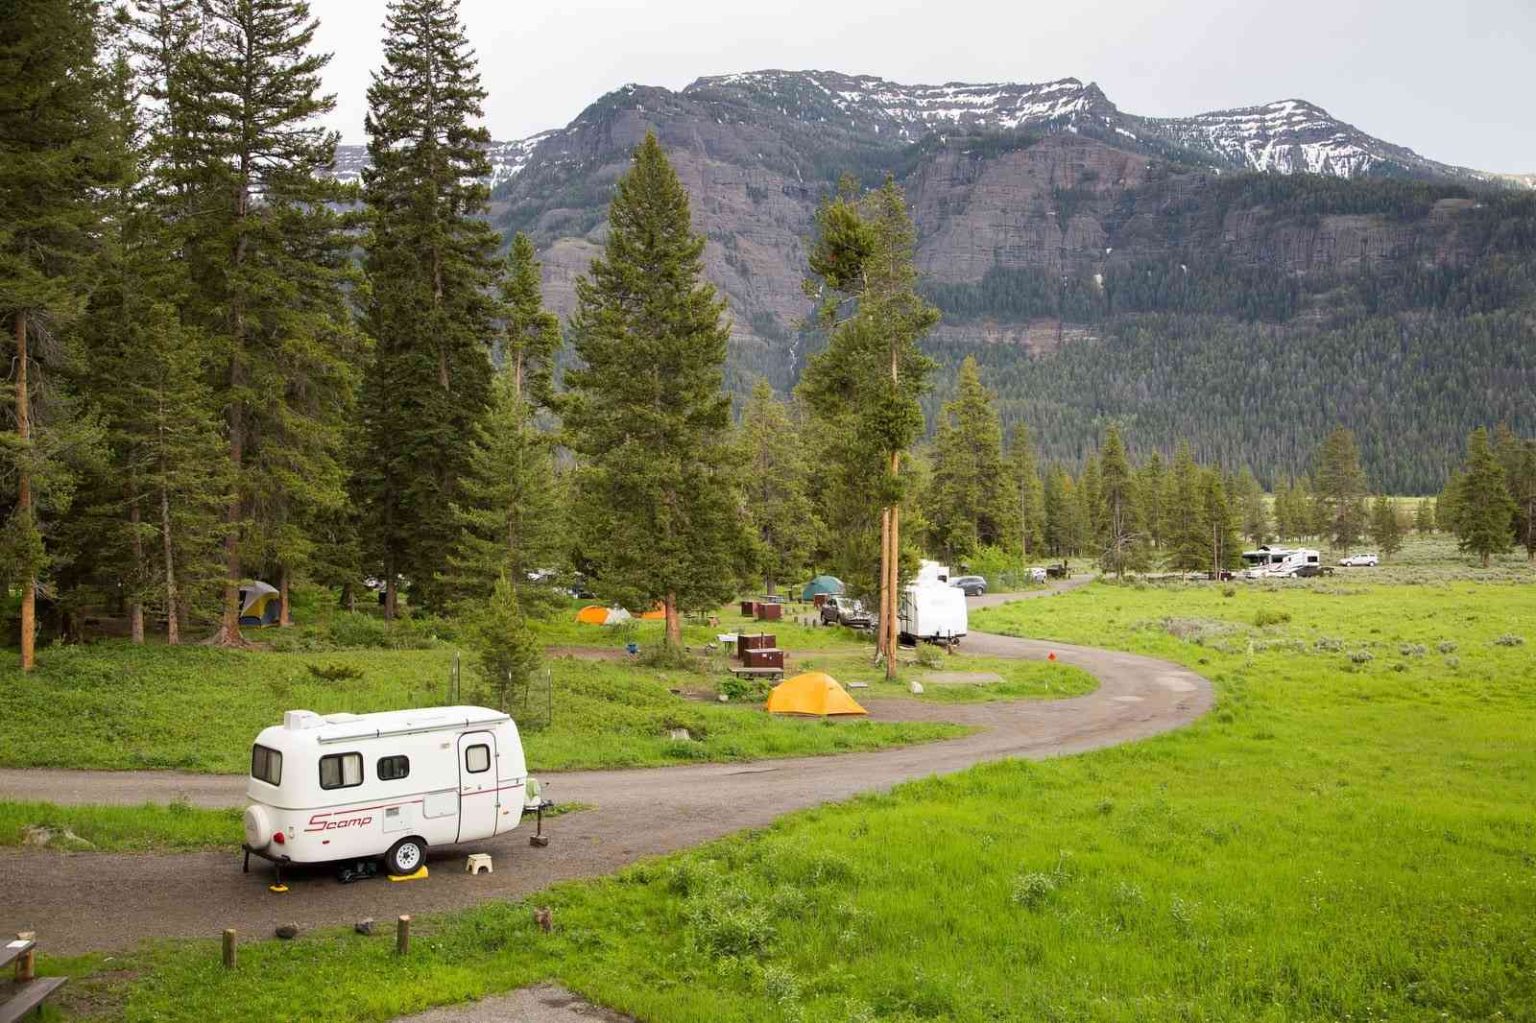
x=770 y=673
x=29 y=991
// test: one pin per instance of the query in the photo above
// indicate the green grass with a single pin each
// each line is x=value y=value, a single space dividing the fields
x=1027 y=680
x=1343 y=838
x=117 y=707
x=157 y=827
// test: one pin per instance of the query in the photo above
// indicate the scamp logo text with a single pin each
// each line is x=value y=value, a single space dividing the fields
x=318 y=823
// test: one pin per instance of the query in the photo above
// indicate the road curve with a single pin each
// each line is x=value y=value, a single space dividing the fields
x=102 y=901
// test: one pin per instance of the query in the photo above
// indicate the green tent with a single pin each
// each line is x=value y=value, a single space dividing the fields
x=821 y=584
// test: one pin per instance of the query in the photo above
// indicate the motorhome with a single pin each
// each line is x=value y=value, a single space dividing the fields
x=931 y=609
x=391 y=784
x=1270 y=562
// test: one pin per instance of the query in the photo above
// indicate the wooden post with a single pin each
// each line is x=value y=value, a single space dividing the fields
x=403 y=935
x=229 y=948
x=26 y=965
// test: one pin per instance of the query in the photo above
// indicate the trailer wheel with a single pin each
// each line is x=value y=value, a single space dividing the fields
x=405 y=856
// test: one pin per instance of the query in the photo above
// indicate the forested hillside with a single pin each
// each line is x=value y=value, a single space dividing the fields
x=1094 y=265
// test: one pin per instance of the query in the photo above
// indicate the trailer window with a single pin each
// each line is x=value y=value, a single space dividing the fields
x=341 y=770
x=394 y=768
x=266 y=765
x=477 y=759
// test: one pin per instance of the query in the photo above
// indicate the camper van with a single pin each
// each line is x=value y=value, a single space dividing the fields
x=931 y=609
x=1281 y=563
x=358 y=786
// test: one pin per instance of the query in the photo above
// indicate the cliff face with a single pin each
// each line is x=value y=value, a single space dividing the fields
x=1049 y=220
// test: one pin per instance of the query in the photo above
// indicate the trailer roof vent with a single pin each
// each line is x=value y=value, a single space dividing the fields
x=297 y=719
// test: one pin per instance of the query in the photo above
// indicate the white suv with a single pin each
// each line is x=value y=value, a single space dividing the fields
x=1359 y=561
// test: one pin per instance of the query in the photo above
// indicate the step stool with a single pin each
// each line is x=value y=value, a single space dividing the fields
x=478 y=862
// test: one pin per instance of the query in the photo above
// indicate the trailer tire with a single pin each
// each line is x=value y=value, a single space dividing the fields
x=405 y=856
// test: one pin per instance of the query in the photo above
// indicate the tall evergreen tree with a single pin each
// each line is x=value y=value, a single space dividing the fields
x=1484 y=509
x=1424 y=516
x=247 y=163
x=510 y=514
x=1522 y=488
x=1123 y=541
x=971 y=501
x=429 y=256
x=1025 y=477
x=1341 y=488
x=56 y=151
x=1446 y=510
x=1150 y=482
x=784 y=521
x=531 y=334
x=1251 y=507
x=1185 y=508
x=1386 y=527
x=864 y=388
x=657 y=500
x=1219 y=521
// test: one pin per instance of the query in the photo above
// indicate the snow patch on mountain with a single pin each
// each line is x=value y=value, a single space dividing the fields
x=507 y=159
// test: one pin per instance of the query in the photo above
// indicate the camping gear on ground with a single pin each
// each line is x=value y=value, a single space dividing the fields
x=822 y=586
x=770 y=612
x=389 y=784
x=756 y=641
x=814 y=693
x=599 y=615
x=763 y=657
x=259 y=603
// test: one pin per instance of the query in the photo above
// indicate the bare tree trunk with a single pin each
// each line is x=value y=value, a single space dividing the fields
x=229 y=627
x=174 y=608
x=894 y=584
x=24 y=495
x=136 y=602
x=391 y=590
x=283 y=619
x=674 y=623
x=885 y=593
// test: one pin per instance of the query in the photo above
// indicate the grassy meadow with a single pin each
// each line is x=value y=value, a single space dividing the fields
x=1349 y=835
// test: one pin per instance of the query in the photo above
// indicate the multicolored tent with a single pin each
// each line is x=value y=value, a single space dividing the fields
x=259 y=603
x=814 y=693
x=599 y=615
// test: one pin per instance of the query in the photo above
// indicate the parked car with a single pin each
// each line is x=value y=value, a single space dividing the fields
x=1037 y=574
x=845 y=611
x=1359 y=561
x=973 y=585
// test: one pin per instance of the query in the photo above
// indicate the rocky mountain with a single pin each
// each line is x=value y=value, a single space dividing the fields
x=1053 y=226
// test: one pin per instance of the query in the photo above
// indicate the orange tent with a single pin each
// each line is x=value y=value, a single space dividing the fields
x=599 y=615
x=814 y=693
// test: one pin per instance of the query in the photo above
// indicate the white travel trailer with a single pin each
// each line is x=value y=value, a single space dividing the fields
x=357 y=786
x=932 y=610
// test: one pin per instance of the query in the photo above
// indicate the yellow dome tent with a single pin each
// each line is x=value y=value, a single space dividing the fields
x=814 y=693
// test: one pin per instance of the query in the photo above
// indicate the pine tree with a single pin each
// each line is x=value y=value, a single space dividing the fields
x=1123 y=542
x=1446 y=511
x=1150 y=482
x=783 y=519
x=1220 y=545
x=1341 y=488
x=429 y=257
x=657 y=500
x=971 y=501
x=531 y=334
x=1386 y=527
x=1484 y=509
x=505 y=649
x=245 y=162
x=56 y=151
x=1522 y=488
x=1424 y=517
x=864 y=388
x=1185 y=509
x=1250 y=500
x=1025 y=477
x=510 y=512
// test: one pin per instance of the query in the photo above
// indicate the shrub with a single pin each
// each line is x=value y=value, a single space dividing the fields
x=1446 y=647
x=1361 y=656
x=1509 y=639
x=1412 y=650
x=335 y=672
x=734 y=687
x=1267 y=616
x=1328 y=644
x=1032 y=889
x=928 y=656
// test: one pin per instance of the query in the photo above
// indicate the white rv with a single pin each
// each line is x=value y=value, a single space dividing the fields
x=931 y=609
x=357 y=786
x=1281 y=563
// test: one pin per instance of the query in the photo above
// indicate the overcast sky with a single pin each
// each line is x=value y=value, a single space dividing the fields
x=1452 y=79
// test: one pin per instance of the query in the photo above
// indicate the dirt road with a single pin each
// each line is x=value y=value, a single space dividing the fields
x=97 y=901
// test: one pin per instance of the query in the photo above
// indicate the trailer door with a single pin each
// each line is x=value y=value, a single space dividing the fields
x=478 y=797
